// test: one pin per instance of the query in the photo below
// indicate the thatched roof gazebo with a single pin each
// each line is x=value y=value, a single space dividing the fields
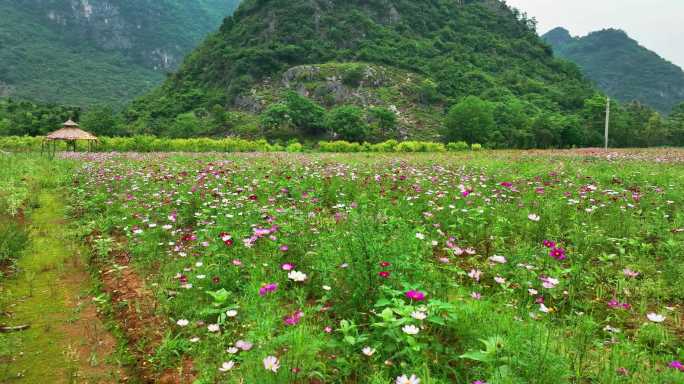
x=69 y=133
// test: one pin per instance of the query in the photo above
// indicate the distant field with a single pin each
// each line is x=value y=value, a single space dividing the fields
x=493 y=266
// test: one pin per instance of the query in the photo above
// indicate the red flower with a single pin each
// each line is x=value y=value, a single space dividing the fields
x=384 y=274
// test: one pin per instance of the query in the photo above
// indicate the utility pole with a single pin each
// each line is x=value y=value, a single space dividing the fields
x=607 y=121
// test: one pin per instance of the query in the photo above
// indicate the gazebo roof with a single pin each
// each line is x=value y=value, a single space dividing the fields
x=71 y=131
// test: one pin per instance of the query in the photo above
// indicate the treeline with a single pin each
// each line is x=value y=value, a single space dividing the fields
x=494 y=124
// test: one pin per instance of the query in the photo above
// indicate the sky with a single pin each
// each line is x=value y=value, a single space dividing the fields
x=656 y=24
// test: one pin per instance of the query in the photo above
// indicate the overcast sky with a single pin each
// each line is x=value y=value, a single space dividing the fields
x=656 y=24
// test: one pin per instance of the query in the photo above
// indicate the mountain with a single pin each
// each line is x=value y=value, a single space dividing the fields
x=621 y=67
x=414 y=57
x=85 y=52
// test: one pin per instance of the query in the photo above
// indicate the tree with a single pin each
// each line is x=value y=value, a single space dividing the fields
x=307 y=116
x=347 y=122
x=471 y=120
x=675 y=124
x=276 y=122
x=383 y=123
x=186 y=125
x=101 y=121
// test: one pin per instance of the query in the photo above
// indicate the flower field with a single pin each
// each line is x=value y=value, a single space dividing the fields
x=492 y=267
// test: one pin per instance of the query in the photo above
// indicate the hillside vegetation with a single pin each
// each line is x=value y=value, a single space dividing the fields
x=98 y=51
x=447 y=49
x=621 y=67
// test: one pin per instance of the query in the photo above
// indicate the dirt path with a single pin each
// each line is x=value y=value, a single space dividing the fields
x=66 y=342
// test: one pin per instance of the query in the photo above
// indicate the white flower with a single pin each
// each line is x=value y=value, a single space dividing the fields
x=296 y=276
x=533 y=217
x=500 y=280
x=194 y=339
x=231 y=313
x=420 y=236
x=532 y=291
x=182 y=322
x=498 y=259
x=326 y=288
x=227 y=366
x=232 y=350
x=656 y=318
x=419 y=315
x=403 y=379
x=368 y=351
x=544 y=308
x=213 y=328
x=271 y=363
x=410 y=329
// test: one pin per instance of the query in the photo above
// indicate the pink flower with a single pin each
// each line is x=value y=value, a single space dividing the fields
x=416 y=295
x=629 y=273
x=284 y=248
x=384 y=274
x=476 y=295
x=677 y=365
x=475 y=274
x=237 y=262
x=548 y=243
x=268 y=288
x=287 y=267
x=294 y=318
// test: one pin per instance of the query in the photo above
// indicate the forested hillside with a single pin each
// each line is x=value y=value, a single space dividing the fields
x=365 y=57
x=621 y=67
x=86 y=52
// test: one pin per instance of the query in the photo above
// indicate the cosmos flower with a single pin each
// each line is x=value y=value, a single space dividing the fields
x=368 y=351
x=416 y=295
x=533 y=217
x=656 y=318
x=420 y=236
x=213 y=328
x=296 y=276
x=630 y=273
x=419 y=315
x=549 y=282
x=403 y=379
x=677 y=365
x=557 y=253
x=271 y=363
x=384 y=274
x=498 y=259
x=475 y=274
x=267 y=288
x=182 y=322
x=476 y=295
x=243 y=345
x=287 y=267
x=410 y=329
x=227 y=366
x=294 y=318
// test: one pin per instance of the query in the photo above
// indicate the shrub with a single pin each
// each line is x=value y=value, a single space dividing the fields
x=458 y=146
x=476 y=147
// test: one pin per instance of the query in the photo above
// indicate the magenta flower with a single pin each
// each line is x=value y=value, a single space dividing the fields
x=416 y=295
x=268 y=288
x=677 y=365
x=384 y=274
x=549 y=243
x=557 y=253
x=284 y=248
x=294 y=319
